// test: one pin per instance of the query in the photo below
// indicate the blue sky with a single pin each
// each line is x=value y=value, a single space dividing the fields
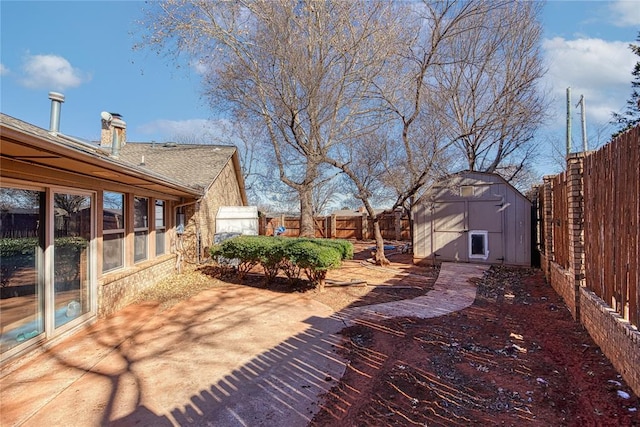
x=84 y=50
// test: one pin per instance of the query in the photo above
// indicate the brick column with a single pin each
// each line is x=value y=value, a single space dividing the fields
x=547 y=223
x=576 y=222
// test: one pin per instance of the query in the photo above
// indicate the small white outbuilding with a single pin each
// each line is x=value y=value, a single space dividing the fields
x=472 y=217
x=237 y=220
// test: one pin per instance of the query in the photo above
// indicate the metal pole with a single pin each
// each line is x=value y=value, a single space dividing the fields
x=568 y=121
x=583 y=113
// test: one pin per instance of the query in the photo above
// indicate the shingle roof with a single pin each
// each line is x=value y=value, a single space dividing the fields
x=193 y=165
x=186 y=165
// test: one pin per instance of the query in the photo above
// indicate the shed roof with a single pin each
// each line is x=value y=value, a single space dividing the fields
x=467 y=177
x=237 y=212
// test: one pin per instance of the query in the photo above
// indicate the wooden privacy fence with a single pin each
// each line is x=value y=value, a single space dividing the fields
x=393 y=226
x=590 y=224
x=611 y=228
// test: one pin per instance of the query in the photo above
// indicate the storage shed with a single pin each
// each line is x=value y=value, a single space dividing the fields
x=237 y=219
x=472 y=217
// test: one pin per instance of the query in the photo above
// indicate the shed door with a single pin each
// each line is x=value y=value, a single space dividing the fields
x=461 y=228
x=449 y=231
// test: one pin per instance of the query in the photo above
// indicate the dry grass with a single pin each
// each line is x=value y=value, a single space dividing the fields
x=401 y=280
x=179 y=287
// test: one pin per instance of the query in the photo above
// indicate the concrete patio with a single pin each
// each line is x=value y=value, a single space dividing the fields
x=232 y=357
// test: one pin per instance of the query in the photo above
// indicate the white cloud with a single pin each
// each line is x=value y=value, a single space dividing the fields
x=200 y=67
x=625 y=13
x=194 y=131
x=51 y=72
x=598 y=69
x=3 y=70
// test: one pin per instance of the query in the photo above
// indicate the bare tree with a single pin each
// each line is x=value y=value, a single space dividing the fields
x=465 y=79
x=375 y=89
x=413 y=149
x=490 y=97
x=304 y=68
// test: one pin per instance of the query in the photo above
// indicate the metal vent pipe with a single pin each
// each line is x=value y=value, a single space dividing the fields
x=56 y=102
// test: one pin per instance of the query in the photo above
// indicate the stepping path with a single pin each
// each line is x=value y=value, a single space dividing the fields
x=452 y=291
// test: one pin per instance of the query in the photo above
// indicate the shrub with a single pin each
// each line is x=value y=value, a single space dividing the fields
x=315 y=259
x=245 y=249
x=271 y=256
x=291 y=255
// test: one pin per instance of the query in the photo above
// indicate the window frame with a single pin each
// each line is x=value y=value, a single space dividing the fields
x=140 y=228
x=114 y=232
x=160 y=229
x=485 y=240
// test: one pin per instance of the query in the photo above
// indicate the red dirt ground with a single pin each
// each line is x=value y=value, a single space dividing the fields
x=515 y=357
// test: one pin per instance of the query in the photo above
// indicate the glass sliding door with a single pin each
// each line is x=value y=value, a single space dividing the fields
x=71 y=244
x=21 y=266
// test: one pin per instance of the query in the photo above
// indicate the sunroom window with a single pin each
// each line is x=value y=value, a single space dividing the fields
x=161 y=227
x=140 y=227
x=113 y=231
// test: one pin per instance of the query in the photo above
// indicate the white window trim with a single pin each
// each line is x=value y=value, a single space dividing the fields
x=485 y=235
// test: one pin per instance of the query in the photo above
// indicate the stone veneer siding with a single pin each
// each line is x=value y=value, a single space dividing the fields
x=225 y=191
x=118 y=289
x=617 y=339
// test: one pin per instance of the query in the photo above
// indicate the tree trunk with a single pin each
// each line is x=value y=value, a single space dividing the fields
x=307 y=227
x=380 y=258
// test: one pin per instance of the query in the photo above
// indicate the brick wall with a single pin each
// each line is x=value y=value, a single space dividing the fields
x=545 y=264
x=562 y=282
x=117 y=290
x=225 y=191
x=617 y=339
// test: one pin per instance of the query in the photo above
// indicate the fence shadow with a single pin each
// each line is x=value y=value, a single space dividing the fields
x=198 y=363
x=280 y=386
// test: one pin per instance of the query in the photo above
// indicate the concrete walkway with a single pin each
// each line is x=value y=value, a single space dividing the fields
x=236 y=356
x=453 y=291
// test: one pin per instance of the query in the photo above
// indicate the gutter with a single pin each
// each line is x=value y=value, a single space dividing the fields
x=197 y=223
x=87 y=154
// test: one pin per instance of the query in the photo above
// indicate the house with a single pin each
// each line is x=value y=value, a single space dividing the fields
x=85 y=226
x=472 y=217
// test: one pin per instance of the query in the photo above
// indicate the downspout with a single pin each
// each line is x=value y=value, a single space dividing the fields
x=197 y=223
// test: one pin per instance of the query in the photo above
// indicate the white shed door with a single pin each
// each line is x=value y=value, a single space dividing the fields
x=449 y=231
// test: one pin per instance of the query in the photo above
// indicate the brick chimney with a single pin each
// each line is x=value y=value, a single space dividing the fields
x=106 y=134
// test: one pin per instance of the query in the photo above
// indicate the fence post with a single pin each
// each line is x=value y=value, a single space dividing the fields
x=575 y=205
x=262 y=225
x=334 y=225
x=398 y=223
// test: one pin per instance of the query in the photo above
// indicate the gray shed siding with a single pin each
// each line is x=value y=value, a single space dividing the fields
x=473 y=203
